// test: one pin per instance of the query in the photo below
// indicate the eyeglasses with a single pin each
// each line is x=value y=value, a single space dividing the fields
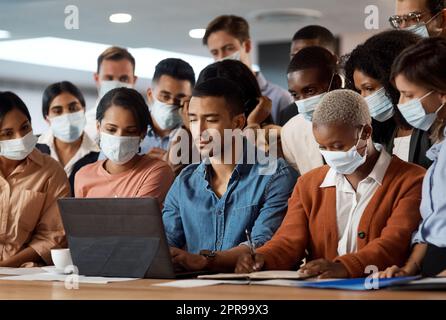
x=411 y=18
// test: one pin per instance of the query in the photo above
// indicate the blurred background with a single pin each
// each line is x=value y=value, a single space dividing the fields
x=36 y=48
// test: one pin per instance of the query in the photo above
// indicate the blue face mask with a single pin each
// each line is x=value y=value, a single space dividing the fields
x=415 y=114
x=166 y=116
x=380 y=106
x=307 y=106
x=419 y=29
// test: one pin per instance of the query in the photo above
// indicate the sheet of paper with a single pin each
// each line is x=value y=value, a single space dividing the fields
x=272 y=274
x=429 y=281
x=194 y=283
x=60 y=277
x=19 y=271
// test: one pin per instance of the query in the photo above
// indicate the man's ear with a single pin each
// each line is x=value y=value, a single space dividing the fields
x=96 y=78
x=98 y=126
x=247 y=44
x=47 y=120
x=135 y=78
x=149 y=94
x=239 y=121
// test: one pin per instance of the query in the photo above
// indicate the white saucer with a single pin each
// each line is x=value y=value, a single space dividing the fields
x=54 y=270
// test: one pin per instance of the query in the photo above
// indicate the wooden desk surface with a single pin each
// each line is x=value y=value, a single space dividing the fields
x=143 y=290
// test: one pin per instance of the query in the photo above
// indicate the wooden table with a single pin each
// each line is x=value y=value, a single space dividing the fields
x=143 y=289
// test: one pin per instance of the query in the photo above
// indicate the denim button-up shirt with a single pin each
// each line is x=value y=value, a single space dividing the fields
x=195 y=218
x=433 y=204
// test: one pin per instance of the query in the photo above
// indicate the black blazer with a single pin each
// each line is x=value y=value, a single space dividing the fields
x=87 y=159
x=419 y=144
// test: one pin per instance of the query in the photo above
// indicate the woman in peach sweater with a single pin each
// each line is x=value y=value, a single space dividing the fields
x=122 y=120
x=354 y=215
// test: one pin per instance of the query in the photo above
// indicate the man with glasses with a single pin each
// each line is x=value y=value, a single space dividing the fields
x=423 y=17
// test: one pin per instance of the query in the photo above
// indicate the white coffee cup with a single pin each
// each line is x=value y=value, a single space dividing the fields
x=61 y=258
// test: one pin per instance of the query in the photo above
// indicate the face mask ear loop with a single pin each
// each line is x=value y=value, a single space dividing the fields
x=426 y=95
x=331 y=82
x=359 y=138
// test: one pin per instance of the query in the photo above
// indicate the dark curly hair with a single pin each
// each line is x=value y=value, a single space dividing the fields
x=374 y=58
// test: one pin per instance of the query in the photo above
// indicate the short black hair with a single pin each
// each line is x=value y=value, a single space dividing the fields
x=10 y=101
x=175 y=68
x=55 y=89
x=317 y=58
x=435 y=6
x=375 y=57
x=325 y=37
x=129 y=99
x=222 y=88
x=239 y=73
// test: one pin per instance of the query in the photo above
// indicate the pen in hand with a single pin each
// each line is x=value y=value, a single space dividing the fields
x=251 y=247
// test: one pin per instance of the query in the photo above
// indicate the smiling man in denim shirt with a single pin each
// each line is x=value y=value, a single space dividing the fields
x=212 y=203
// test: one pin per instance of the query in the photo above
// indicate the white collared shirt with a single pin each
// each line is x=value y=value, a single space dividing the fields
x=299 y=146
x=86 y=147
x=350 y=204
x=401 y=147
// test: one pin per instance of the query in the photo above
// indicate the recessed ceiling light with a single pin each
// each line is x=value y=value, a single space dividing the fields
x=285 y=15
x=120 y=18
x=197 y=33
x=5 y=34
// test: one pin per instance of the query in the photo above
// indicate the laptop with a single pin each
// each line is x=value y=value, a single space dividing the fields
x=118 y=237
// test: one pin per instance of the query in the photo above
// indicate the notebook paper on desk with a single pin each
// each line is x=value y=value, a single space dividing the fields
x=261 y=275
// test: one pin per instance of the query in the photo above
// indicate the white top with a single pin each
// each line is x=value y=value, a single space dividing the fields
x=350 y=204
x=86 y=147
x=90 y=126
x=299 y=145
x=401 y=146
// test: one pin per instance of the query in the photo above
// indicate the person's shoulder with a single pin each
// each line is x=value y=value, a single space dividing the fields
x=315 y=176
x=89 y=169
x=403 y=169
x=297 y=126
x=189 y=170
x=48 y=165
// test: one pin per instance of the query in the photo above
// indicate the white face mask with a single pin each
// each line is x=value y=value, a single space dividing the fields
x=234 y=56
x=345 y=162
x=307 y=106
x=119 y=149
x=68 y=127
x=18 y=149
x=166 y=116
x=107 y=85
x=380 y=106
x=415 y=114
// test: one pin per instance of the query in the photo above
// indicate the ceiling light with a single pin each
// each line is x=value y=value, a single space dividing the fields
x=120 y=18
x=197 y=33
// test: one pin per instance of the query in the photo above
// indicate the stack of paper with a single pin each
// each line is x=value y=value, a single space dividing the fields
x=261 y=275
